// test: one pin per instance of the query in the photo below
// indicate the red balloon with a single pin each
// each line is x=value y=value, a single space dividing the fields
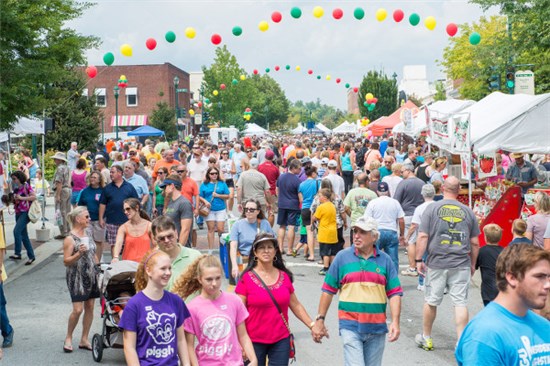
x=338 y=80
x=452 y=29
x=374 y=100
x=91 y=71
x=255 y=72
x=310 y=72
x=337 y=13
x=199 y=104
x=151 y=43
x=216 y=39
x=398 y=15
x=222 y=86
x=247 y=110
x=355 y=90
x=276 y=17
x=277 y=68
x=369 y=101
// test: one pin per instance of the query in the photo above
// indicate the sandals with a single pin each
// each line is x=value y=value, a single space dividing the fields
x=67 y=348
x=86 y=347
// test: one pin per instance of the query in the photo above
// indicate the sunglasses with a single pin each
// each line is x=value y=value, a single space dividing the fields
x=213 y=173
x=160 y=172
x=250 y=209
x=248 y=151
x=356 y=230
x=127 y=209
x=132 y=153
x=196 y=155
x=224 y=153
x=168 y=237
x=181 y=171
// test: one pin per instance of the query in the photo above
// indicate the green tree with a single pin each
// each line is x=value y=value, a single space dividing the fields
x=440 y=93
x=36 y=50
x=163 y=118
x=270 y=107
x=383 y=88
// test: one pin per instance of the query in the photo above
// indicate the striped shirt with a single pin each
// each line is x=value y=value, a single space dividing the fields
x=365 y=285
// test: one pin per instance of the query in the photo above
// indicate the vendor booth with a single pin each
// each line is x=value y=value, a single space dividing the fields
x=386 y=124
x=345 y=127
x=254 y=129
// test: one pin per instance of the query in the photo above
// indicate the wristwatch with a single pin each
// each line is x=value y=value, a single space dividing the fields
x=320 y=317
x=418 y=260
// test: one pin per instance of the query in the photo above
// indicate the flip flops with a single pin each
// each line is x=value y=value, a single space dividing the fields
x=67 y=349
x=86 y=347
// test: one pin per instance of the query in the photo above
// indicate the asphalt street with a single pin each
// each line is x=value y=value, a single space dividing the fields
x=39 y=306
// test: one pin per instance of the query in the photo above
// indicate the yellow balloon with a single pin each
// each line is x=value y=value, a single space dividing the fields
x=430 y=23
x=369 y=96
x=243 y=77
x=126 y=50
x=190 y=32
x=381 y=14
x=191 y=112
x=297 y=68
x=215 y=92
x=263 y=26
x=318 y=12
x=328 y=77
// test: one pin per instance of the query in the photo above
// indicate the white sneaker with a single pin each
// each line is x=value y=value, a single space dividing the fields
x=420 y=288
x=412 y=272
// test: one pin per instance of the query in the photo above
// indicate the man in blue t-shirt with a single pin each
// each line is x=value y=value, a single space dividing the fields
x=289 y=204
x=507 y=331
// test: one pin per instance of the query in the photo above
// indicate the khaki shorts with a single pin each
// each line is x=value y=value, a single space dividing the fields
x=412 y=239
x=98 y=233
x=457 y=280
x=275 y=204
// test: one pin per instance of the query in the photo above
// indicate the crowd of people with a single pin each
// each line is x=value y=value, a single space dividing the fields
x=146 y=202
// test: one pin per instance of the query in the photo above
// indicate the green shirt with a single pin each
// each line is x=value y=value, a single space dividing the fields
x=357 y=199
x=180 y=264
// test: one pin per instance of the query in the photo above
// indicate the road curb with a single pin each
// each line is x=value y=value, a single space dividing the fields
x=16 y=269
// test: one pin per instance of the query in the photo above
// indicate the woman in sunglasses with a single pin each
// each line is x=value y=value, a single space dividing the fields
x=242 y=235
x=213 y=193
x=134 y=234
x=228 y=169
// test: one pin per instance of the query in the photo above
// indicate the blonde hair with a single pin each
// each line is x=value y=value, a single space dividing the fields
x=493 y=233
x=71 y=216
x=519 y=227
x=188 y=282
x=375 y=164
x=396 y=168
x=148 y=261
x=542 y=202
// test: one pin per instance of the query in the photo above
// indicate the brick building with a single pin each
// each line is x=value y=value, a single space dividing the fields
x=147 y=86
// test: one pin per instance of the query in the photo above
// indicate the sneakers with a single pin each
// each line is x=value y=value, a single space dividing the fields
x=8 y=340
x=420 y=288
x=424 y=343
x=323 y=272
x=412 y=272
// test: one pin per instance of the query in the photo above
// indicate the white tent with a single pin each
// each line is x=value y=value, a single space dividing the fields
x=345 y=127
x=254 y=129
x=420 y=119
x=323 y=128
x=298 y=130
x=516 y=123
x=24 y=126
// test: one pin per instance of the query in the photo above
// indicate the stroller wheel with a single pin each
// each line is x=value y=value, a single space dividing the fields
x=97 y=347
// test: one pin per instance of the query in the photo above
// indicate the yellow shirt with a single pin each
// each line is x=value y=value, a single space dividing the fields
x=326 y=214
x=3 y=247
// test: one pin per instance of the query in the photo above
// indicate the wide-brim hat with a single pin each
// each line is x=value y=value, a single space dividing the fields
x=59 y=156
x=516 y=155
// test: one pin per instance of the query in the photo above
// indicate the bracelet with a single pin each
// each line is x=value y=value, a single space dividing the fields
x=311 y=325
x=418 y=260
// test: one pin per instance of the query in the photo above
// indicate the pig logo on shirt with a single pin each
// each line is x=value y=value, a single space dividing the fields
x=162 y=327
x=216 y=327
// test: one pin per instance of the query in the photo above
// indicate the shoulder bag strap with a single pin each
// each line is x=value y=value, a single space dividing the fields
x=273 y=299
x=257 y=232
x=215 y=186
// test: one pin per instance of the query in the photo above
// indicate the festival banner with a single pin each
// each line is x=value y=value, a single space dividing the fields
x=487 y=165
x=465 y=166
x=460 y=133
x=439 y=130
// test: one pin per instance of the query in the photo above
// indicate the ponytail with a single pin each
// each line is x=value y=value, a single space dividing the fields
x=188 y=282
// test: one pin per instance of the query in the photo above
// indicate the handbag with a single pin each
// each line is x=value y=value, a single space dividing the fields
x=292 y=353
x=204 y=210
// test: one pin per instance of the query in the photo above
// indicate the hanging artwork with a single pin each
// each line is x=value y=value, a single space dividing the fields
x=487 y=165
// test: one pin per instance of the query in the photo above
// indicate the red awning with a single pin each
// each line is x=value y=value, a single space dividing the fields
x=385 y=124
x=130 y=120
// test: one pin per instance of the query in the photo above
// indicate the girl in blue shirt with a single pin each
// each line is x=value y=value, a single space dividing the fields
x=213 y=193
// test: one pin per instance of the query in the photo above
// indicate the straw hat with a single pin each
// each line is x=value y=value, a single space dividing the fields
x=59 y=156
x=516 y=155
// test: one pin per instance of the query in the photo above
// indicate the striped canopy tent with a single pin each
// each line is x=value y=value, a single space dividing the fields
x=130 y=120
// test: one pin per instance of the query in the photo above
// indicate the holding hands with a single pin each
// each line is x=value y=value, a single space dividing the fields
x=318 y=331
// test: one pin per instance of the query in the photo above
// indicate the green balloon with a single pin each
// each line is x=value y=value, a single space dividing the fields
x=287 y=67
x=237 y=31
x=318 y=77
x=475 y=38
x=347 y=85
x=234 y=82
x=359 y=13
x=170 y=36
x=414 y=19
x=296 y=12
x=267 y=69
x=108 y=58
x=366 y=104
x=207 y=101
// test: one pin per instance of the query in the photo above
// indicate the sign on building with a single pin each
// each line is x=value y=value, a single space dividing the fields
x=198 y=119
x=525 y=82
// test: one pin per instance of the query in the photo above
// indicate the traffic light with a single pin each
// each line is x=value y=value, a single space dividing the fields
x=205 y=116
x=511 y=80
x=493 y=82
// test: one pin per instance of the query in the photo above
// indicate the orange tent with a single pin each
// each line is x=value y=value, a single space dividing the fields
x=385 y=124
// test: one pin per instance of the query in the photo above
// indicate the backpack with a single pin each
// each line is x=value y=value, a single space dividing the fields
x=360 y=157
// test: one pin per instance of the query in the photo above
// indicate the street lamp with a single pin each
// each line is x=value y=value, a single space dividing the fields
x=176 y=83
x=220 y=107
x=116 y=90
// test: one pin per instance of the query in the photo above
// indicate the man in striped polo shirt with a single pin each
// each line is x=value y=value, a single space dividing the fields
x=366 y=279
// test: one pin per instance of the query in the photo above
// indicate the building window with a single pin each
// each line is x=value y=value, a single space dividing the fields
x=131 y=97
x=100 y=97
x=84 y=93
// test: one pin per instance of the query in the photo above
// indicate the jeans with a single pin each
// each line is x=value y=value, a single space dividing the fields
x=362 y=349
x=389 y=243
x=4 y=321
x=21 y=235
x=276 y=352
x=348 y=180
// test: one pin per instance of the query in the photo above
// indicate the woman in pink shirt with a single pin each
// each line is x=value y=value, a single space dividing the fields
x=78 y=181
x=270 y=335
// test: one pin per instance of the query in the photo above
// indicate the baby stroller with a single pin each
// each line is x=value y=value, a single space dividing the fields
x=115 y=279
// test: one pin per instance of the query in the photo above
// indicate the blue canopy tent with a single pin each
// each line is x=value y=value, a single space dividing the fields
x=146 y=131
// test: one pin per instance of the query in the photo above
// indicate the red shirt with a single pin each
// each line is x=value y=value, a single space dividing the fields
x=189 y=189
x=272 y=173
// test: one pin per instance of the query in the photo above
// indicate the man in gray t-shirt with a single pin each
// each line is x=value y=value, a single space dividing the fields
x=178 y=208
x=449 y=234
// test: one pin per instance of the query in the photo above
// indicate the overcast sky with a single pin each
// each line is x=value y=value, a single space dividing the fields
x=345 y=48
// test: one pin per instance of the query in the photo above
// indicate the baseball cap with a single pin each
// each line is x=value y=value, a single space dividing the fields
x=170 y=181
x=269 y=155
x=383 y=187
x=324 y=161
x=332 y=164
x=366 y=223
x=254 y=162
